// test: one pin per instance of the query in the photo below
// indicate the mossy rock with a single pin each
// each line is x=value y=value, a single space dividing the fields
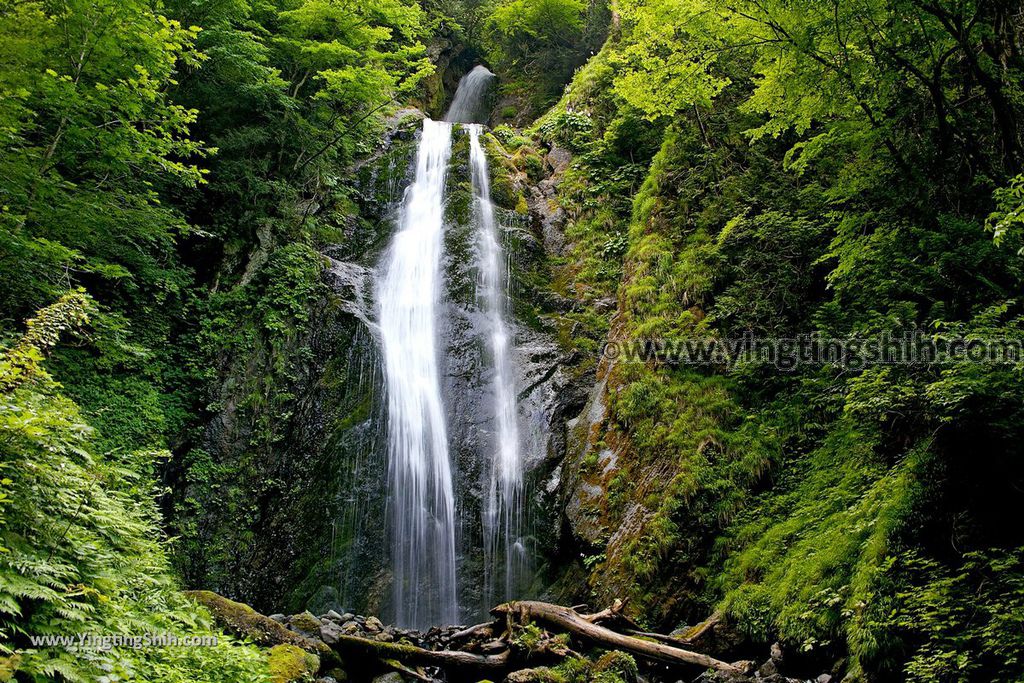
x=533 y=165
x=306 y=623
x=616 y=666
x=527 y=160
x=541 y=674
x=409 y=119
x=290 y=663
x=459 y=203
x=245 y=622
x=503 y=192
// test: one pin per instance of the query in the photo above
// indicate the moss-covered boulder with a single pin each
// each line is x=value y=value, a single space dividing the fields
x=616 y=667
x=504 y=192
x=290 y=664
x=306 y=624
x=541 y=674
x=245 y=622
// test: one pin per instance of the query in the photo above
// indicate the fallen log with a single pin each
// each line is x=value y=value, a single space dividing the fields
x=396 y=665
x=411 y=654
x=580 y=625
x=483 y=659
x=669 y=640
x=485 y=630
x=604 y=615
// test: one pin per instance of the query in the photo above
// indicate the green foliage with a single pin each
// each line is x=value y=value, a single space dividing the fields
x=570 y=129
x=22 y=362
x=519 y=29
x=91 y=136
x=615 y=667
x=806 y=549
x=806 y=168
x=184 y=161
x=528 y=637
x=289 y=663
x=963 y=623
x=1009 y=213
x=757 y=166
x=609 y=667
x=256 y=333
x=81 y=548
x=535 y=45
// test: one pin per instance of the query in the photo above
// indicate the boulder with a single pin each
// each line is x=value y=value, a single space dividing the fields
x=306 y=624
x=539 y=675
x=559 y=159
x=289 y=663
x=618 y=666
x=243 y=621
x=329 y=632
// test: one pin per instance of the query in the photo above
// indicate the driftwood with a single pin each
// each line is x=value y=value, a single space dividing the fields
x=469 y=654
x=485 y=630
x=410 y=654
x=553 y=617
x=582 y=626
x=607 y=614
x=661 y=637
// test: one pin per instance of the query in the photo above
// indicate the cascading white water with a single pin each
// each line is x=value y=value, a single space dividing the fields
x=422 y=502
x=504 y=554
x=469 y=96
x=422 y=506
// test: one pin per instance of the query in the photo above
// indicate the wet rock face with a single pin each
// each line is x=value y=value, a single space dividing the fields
x=552 y=385
x=316 y=535
x=542 y=386
x=319 y=539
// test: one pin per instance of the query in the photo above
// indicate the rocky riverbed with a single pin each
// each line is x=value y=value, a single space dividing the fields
x=336 y=647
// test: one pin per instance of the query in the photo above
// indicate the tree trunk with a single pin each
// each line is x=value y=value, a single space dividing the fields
x=410 y=654
x=577 y=624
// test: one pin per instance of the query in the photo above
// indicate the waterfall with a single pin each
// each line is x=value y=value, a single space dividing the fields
x=421 y=508
x=504 y=554
x=421 y=504
x=469 y=96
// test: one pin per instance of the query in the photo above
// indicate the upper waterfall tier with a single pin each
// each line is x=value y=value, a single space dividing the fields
x=468 y=104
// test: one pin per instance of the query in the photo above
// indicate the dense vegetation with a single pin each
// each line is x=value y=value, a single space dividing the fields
x=847 y=168
x=178 y=161
x=831 y=168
